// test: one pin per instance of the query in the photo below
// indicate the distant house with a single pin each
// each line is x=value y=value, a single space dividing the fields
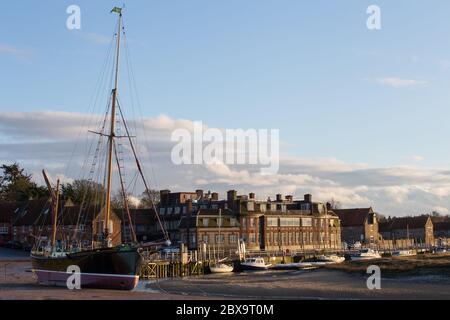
x=144 y=224
x=419 y=229
x=32 y=224
x=441 y=232
x=359 y=224
x=6 y=214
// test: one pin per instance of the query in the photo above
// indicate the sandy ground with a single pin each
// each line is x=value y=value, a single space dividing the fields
x=16 y=282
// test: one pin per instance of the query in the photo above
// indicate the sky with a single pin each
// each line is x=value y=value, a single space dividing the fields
x=362 y=113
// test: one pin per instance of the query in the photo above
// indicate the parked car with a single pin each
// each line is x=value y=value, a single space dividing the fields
x=13 y=244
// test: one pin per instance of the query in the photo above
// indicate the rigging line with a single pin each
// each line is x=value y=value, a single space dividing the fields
x=142 y=174
x=92 y=103
x=125 y=197
x=133 y=83
x=95 y=160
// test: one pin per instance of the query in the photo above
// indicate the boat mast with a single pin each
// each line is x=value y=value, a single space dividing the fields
x=106 y=234
x=55 y=203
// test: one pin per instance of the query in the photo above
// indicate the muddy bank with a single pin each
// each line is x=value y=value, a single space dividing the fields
x=423 y=264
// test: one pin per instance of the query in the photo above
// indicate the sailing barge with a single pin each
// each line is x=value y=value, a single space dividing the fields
x=101 y=265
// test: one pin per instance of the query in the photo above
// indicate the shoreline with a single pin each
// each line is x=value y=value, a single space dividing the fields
x=347 y=281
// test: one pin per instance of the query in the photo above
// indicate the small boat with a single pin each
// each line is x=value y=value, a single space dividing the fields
x=404 y=253
x=221 y=268
x=440 y=250
x=257 y=263
x=366 y=254
x=330 y=259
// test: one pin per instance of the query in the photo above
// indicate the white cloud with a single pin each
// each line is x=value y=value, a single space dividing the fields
x=16 y=52
x=48 y=140
x=417 y=158
x=396 y=82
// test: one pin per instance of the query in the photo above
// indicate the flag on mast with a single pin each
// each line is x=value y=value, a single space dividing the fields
x=117 y=10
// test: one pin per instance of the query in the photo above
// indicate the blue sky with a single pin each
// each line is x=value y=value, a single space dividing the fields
x=310 y=68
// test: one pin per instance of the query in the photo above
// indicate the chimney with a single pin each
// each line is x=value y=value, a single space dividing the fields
x=308 y=198
x=215 y=196
x=164 y=195
x=289 y=198
x=279 y=198
x=232 y=195
x=199 y=193
x=252 y=196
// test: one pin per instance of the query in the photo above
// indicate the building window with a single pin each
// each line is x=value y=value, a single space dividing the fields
x=305 y=207
x=177 y=210
x=169 y=210
x=244 y=223
x=233 y=222
x=263 y=207
x=220 y=238
x=289 y=222
x=250 y=206
x=205 y=222
x=4 y=230
x=306 y=222
x=233 y=238
x=193 y=238
x=162 y=211
x=205 y=238
x=252 y=238
x=272 y=222
x=252 y=222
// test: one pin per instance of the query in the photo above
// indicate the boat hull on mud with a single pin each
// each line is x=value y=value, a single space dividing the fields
x=110 y=268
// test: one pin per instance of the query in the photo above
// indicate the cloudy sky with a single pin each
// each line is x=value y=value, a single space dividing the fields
x=362 y=114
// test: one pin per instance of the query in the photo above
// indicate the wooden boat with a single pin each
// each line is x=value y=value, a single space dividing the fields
x=102 y=265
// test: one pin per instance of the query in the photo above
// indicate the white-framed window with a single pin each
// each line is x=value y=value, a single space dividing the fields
x=272 y=222
x=289 y=222
x=252 y=222
x=205 y=238
x=250 y=206
x=233 y=238
x=205 y=222
x=4 y=230
x=306 y=222
x=220 y=238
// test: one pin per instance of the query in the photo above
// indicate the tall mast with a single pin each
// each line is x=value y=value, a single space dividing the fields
x=112 y=133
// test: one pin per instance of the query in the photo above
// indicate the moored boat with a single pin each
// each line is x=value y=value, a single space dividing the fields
x=404 y=253
x=257 y=263
x=221 y=268
x=366 y=254
x=106 y=268
x=103 y=263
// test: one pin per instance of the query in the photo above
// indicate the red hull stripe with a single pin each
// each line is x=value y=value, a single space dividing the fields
x=89 y=280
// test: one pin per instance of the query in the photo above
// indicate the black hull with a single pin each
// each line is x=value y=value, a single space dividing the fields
x=111 y=268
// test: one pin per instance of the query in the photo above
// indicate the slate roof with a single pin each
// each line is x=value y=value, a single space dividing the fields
x=353 y=217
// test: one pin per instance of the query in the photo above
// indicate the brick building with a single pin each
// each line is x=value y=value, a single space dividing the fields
x=359 y=224
x=418 y=229
x=32 y=224
x=281 y=224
